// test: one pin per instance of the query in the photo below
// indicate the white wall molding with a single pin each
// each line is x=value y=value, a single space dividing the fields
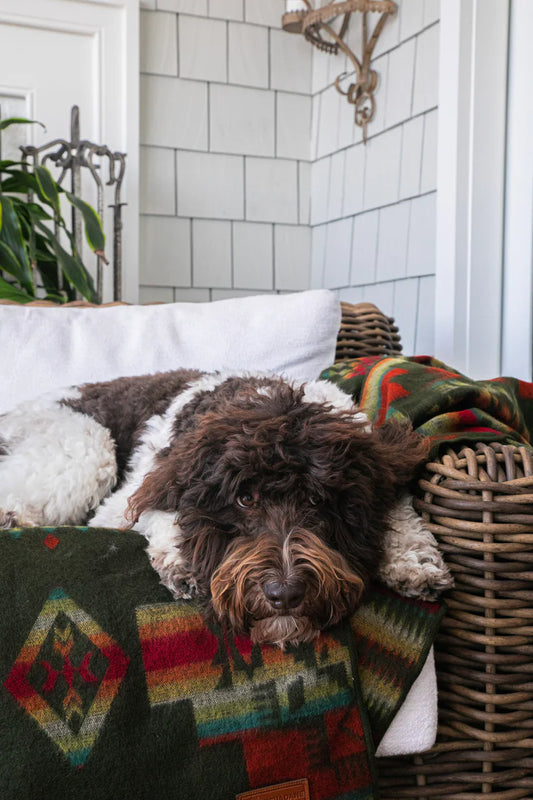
x=471 y=184
x=517 y=334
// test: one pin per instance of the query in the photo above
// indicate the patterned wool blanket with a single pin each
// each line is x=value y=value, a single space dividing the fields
x=442 y=404
x=111 y=691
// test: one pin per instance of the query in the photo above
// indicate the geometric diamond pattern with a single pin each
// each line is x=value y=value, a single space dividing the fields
x=67 y=675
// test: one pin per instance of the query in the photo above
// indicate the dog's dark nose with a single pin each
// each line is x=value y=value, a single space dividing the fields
x=284 y=594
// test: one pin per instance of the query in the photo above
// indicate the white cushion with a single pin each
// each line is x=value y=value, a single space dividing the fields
x=47 y=348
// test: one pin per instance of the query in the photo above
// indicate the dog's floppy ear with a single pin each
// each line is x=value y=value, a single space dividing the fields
x=403 y=449
x=159 y=491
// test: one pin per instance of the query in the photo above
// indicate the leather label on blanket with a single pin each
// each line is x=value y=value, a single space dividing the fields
x=292 y=790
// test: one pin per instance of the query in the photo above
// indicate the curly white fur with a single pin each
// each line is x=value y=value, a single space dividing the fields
x=57 y=465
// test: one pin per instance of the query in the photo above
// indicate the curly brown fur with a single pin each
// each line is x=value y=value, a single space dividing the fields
x=126 y=404
x=270 y=488
x=273 y=503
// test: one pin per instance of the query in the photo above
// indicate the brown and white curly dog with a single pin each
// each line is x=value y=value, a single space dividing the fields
x=272 y=502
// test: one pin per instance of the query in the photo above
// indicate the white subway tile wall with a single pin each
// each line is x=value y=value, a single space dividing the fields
x=392 y=245
x=336 y=185
x=157 y=186
x=253 y=262
x=264 y=13
x=226 y=9
x=211 y=253
x=404 y=311
x=163 y=120
x=292 y=257
x=293 y=125
x=425 y=331
x=210 y=185
x=425 y=90
x=248 y=55
x=290 y=62
x=411 y=164
x=382 y=173
x=241 y=120
x=389 y=183
x=421 y=252
x=165 y=251
x=337 y=258
x=304 y=193
x=184 y=6
x=364 y=248
x=203 y=48
x=159 y=43
x=254 y=177
x=411 y=18
x=318 y=255
x=354 y=178
x=400 y=75
x=271 y=190
x=428 y=178
x=320 y=190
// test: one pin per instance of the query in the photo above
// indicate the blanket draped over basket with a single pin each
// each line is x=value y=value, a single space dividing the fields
x=441 y=403
x=111 y=690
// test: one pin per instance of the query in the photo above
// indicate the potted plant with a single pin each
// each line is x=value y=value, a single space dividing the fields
x=33 y=261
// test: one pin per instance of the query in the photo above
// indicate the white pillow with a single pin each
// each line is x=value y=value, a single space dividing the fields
x=47 y=348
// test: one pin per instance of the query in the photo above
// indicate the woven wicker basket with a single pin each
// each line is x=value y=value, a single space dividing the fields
x=479 y=504
x=366 y=331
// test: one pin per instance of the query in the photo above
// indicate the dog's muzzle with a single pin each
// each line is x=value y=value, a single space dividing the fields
x=284 y=594
x=283 y=590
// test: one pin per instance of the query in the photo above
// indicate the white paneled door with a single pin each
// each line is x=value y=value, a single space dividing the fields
x=58 y=53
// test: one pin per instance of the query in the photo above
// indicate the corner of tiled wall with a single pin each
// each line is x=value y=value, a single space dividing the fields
x=373 y=204
x=254 y=177
x=225 y=156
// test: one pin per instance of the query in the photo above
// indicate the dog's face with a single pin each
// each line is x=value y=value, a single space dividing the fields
x=282 y=504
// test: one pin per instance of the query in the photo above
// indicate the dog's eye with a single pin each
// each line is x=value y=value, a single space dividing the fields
x=313 y=499
x=246 y=500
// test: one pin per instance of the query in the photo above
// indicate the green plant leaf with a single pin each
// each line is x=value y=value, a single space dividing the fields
x=44 y=248
x=11 y=235
x=32 y=211
x=20 y=182
x=10 y=292
x=55 y=298
x=48 y=188
x=94 y=232
x=5 y=123
x=6 y=164
x=9 y=263
x=71 y=266
x=49 y=274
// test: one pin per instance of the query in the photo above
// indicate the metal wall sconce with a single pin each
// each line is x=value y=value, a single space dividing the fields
x=316 y=25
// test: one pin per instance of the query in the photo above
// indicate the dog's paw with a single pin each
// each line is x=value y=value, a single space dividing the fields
x=8 y=519
x=169 y=567
x=11 y=519
x=181 y=590
x=417 y=575
x=412 y=563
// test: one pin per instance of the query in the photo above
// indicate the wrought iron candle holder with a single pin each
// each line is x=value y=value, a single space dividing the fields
x=71 y=158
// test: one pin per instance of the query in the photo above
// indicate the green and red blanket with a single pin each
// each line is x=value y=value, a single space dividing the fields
x=442 y=404
x=111 y=691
